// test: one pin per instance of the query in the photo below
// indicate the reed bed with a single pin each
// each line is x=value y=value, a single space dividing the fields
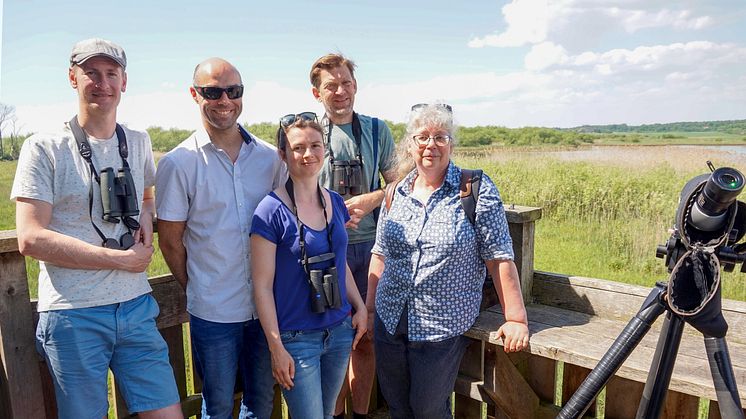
x=604 y=210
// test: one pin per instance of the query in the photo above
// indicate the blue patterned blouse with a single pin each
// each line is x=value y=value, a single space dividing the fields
x=434 y=257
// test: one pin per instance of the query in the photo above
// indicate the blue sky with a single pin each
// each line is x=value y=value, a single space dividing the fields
x=511 y=63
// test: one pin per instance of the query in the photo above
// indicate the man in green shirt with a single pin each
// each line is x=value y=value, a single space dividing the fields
x=359 y=150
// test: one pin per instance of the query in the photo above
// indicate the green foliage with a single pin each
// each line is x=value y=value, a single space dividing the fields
x=7 y=207
x=11 y=146
x=165 y=140
x=267 y=131
x=397 y=129
x=730 y=127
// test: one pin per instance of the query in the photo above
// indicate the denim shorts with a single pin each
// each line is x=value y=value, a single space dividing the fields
x=80 y=345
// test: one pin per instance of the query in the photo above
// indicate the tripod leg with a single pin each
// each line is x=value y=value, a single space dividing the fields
x=723 y=378
x=619 y=351
x=659 y=376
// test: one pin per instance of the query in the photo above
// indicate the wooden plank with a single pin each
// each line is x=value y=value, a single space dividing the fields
x=572 y=377
x=523 y=249
x=19 y=361
x=714 y=411
x=582 y=340
x=466 y=407
x=622 y=398
x=171 y=299
x=47 y=387
x=8 y=241
x=540 y=377
x=174 y=337
x=680 y=405
x=506 y=387
x=520 y=214
x=472 y=363
x=613 y=299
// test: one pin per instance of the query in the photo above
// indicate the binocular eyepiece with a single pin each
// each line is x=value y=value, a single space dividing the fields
x=119 y=197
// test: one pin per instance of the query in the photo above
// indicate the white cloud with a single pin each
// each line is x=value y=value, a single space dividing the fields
x=578 y=24
x=634 y=20
x=527 y=21
x=545 y=55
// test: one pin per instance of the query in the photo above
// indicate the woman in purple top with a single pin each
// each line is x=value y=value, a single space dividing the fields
x=303 y=289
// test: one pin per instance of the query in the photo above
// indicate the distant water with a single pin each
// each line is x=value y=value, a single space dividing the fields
x=740 y=149
x=679 y=156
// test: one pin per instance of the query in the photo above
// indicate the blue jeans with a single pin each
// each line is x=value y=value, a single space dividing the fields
x=416 y=377
x=80 y=345
x=221 y=350
x=358 y=259
x=321 y=358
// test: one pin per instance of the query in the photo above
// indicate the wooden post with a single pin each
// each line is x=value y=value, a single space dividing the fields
x=21 y=394
x=522 y=223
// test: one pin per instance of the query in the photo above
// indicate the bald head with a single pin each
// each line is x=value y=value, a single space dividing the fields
x=215 y=68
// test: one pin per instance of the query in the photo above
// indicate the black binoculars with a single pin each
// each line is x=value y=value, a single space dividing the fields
x=347 y=177
x=119 y=197
x=324 y=289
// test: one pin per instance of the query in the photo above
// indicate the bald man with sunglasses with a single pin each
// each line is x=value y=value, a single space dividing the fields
x=207 y=189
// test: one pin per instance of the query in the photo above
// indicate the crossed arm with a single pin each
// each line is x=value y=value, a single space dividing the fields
x=35 y=239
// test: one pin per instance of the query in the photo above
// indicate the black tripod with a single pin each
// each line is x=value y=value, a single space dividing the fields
x=659 y=377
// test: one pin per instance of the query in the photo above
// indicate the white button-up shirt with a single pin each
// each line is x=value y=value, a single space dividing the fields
x=198 y=183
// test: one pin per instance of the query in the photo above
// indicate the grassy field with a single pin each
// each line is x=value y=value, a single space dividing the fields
x=602 y=218
x=603 y=212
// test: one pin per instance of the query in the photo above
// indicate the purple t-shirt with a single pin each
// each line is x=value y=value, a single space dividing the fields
x=274 y=221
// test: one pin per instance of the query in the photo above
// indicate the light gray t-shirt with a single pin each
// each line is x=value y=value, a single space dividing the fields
x=199 y=184
x=50 y=169
x=344 y=148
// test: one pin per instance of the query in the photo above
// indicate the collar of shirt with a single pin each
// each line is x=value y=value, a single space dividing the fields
x=452 y=179
x=203 y=138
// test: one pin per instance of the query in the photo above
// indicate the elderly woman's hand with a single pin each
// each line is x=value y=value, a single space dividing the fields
x=515 y=336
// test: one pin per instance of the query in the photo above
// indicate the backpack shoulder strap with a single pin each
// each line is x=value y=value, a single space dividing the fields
x=390 y=191
x=376 y=181
x=470 y=182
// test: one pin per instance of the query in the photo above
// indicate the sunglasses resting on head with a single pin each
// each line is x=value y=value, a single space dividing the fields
x=290 y=118
x=442 y=105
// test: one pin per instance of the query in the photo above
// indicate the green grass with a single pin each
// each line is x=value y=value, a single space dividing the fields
x=7 y=207
x=599 y=220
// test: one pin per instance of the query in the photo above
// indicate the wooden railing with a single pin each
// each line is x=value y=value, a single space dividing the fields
x=572 y=321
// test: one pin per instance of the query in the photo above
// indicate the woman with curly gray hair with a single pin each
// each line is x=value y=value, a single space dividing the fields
x=427 y=271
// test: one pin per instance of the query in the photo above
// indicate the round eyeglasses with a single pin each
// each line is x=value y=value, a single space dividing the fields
x=439 y=140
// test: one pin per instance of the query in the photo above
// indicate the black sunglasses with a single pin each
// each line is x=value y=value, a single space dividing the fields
x=290 y=118
x=442 y=105
x=124 y=243
x=215 y=93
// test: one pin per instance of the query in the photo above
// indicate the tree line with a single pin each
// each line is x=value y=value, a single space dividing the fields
x=737 y=127
x=165 y=139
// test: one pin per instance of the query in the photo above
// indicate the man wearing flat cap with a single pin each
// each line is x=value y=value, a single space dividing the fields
x=84 y=209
